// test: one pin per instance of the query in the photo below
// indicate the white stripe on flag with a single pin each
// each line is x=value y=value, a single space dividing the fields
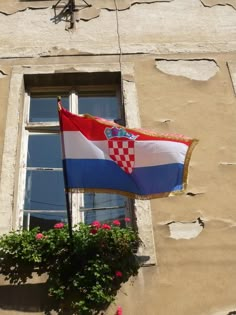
x=147 y=153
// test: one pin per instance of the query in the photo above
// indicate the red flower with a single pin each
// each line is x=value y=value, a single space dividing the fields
x=59 y=225
x=106 y=227
x=96 y=224
x=119 y=274
x=119 y=310
x=39 y=236
x=116 y=222
x=127 y=220
x=93 y=231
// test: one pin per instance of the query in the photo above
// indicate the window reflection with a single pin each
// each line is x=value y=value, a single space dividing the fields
x=44 y=150
x=108 y=107
x=44 y=109
x=44 y=190
x=44 y=221
x=103 y=106
x=111 y=207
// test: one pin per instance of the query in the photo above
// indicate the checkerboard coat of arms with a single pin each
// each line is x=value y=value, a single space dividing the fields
x=121 y=148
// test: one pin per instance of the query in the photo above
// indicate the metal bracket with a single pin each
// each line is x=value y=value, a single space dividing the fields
x=67 y=11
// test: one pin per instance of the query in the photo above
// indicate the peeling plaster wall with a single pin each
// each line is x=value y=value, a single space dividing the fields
x=201 y=70
x=185 y=230
x=182 y=55
x=211 y=3
x=14 y=6
x=160 y=27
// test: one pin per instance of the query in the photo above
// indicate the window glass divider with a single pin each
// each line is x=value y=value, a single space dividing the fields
x=73 y=99
x=35 y=168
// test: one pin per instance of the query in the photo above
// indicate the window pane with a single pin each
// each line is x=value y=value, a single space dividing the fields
x=93 y=200
x=44 y=190
x=45 y=221
x=108 y=107
x=105 y=216
x=43 y=108
x=44 y=150
x=102 y=201
x=103 y=106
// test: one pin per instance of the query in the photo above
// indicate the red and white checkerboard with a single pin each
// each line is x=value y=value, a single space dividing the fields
x=122 y=152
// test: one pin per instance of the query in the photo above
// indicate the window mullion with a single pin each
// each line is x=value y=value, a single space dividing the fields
x=27 y=108
x=22 y=177
x=30 y=168
x=73 y=102
x=52 y=127
x=28 y=221
x=22 y=164
x=77 y=198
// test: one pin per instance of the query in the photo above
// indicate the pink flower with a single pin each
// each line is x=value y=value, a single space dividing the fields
x=106 y=226
x=59 y=225
x=93 y=231
x=96 y=224
x=116 y=222
x=127 y=220
x=119 y=274
x=119 y=310
x=39 y=236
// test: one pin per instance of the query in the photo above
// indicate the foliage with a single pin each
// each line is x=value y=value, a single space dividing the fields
x=84 y=272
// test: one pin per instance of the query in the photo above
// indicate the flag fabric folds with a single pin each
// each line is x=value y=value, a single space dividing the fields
x=101 y=156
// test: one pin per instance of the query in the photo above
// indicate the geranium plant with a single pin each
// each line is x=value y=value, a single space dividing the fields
x=84 y=272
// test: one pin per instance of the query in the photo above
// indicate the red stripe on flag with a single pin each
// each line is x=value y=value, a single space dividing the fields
x=93 y=128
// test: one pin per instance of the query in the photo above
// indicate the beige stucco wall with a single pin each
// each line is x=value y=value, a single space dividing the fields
x=183 y=56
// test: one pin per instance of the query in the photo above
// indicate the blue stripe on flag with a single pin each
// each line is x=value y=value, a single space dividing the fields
x=105 y=174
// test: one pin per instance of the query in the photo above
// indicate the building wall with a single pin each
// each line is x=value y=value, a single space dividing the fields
x=183 y=58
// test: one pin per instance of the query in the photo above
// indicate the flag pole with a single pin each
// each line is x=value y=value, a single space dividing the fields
x=68 y=201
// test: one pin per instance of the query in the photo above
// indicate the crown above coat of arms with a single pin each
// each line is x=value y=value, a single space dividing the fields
x=116 y=132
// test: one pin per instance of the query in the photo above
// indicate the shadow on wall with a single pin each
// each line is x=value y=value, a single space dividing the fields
x=27 y=298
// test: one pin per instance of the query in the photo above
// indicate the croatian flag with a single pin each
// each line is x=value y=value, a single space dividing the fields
x=101 y=156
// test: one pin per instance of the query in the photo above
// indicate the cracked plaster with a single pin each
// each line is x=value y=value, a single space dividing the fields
x=12 y=7
x=94 y=10
x=211 y=3
x=201 y=70
x=232 y=71
x=227 y=311
x=86 y=14
x=152 y=35
x=2 y=74
x=184 y=230
x=120 y=5
x=193 y=194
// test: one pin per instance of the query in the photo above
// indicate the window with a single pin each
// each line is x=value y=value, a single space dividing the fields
x=35 y=79
x=44 y=199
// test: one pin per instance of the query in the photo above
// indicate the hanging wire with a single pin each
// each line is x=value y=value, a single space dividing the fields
x=120 y=50
x=118 y=35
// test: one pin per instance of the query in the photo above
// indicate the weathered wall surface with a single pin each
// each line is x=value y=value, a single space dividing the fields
x=194 y=233
x=184 y=59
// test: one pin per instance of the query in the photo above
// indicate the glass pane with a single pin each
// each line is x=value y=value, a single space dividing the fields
x=108 y=107
x=43 y=108
x=45 y=221
x=93 y=200
x=44 y=190
x=102 y=106
x=44 y=150
x=106 y=216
